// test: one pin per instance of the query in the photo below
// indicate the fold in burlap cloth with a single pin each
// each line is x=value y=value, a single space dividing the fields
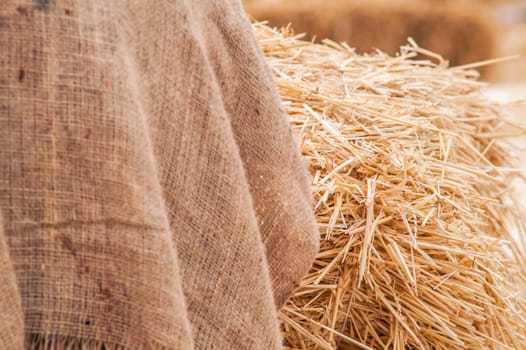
x=152 y=194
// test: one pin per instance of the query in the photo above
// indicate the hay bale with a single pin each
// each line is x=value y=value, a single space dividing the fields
x=420 y=246
x=512 y=42
x=460 y=32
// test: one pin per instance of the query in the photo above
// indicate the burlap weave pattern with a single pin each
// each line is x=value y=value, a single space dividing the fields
x=152 y=193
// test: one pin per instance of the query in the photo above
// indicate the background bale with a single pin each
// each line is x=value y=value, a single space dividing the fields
x=511 y=16
x=459 y=31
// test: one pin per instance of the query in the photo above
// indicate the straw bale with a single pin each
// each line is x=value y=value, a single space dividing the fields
x=421 y=245
x=459 y=31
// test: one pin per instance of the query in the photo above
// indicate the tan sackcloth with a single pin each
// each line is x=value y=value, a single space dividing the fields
x=152 y=193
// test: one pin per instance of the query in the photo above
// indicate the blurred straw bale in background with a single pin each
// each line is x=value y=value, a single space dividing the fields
x=511 y=19
x=462 y=31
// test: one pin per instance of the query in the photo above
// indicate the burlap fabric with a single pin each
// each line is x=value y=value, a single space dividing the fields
x=151 y=192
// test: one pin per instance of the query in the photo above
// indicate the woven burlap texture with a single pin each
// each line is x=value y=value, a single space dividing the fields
x=151 y=191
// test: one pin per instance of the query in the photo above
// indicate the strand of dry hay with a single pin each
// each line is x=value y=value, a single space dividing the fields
x=410 y=183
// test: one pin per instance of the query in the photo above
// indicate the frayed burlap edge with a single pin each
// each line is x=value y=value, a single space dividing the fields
x=61 y=342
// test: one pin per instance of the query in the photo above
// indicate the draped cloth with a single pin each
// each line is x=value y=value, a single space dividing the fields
x=152 y=194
